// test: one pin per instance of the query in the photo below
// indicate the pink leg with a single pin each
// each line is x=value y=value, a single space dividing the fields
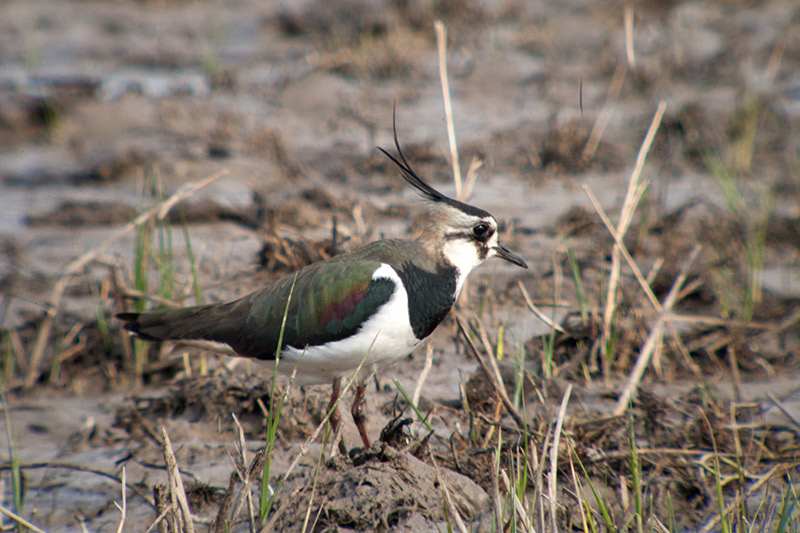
x=335 y=419
x=358 y=415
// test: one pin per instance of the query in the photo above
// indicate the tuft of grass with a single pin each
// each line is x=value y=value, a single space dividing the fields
x=635 y=465
x=724 y=525
x=752 y=208
x=575 y=268
x=165 y=260
x=519 y=376
x=13 y=457
x=196 y=290
x=754 y=216
x=500 y=349
x=140 y=283
x=102 y=323
x=548 y=346
x=604 y=507
x=162 y=255
x=8 y=367
x=789 y=516
x=212 y=66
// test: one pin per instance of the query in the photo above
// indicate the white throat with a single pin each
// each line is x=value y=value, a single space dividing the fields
x=464 y=256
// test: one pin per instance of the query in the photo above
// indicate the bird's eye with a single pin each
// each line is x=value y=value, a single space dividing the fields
x=481 y=230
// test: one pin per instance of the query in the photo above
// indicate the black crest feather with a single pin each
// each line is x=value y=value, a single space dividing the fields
x=419 y=184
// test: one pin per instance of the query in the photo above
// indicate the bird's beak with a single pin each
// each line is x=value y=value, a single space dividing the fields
x=504 y=253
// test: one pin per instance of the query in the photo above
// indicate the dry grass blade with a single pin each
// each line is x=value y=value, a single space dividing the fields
x=159 y=519
x=626 y=215
x=552 y=478
x=582 y=506
x=472 y=177
x=658 y=526
x=19 y=520
x=777 y=470
x=441 y=47
x=642 y=281
x=221 y=520
x=629 y=205
x=774 y=63
x=628 y=18
x=784 y=324
x=123 y=508
x=600 y=124
x=16 y=347
x=535 y=310
x=424 y=374
x=176 y=488
x=490 y=367
x=537 y=472
x=243 y=472
x=517 y=504
x=159 y=211
x=727 y=323
x=496 y=502
x=452 y=510
x=654 y=339
x=783 y=410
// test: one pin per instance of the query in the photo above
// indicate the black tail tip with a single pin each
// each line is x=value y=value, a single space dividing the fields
x=130 y=322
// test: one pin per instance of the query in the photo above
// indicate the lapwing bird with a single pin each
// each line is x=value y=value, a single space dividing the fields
x=356 y=312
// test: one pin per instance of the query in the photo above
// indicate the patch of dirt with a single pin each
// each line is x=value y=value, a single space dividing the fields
x=564 y=151
x=214 y=398
x=85 y=214
x=380 y=489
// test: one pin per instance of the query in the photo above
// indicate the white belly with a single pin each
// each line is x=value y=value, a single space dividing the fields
x=382 y=340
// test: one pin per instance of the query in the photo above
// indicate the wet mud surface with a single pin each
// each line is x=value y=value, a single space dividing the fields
x=108 y=109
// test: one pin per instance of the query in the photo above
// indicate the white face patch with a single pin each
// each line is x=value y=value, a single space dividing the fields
x=466 y=240
x=465 y=254
x=492 y=244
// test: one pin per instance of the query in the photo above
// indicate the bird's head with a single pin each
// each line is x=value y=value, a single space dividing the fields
x=464 y=234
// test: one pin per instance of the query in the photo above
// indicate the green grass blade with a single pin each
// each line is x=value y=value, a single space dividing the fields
x=635 y=466
x=575 y=268
x=272 y=421
x=198 y=293
x=407 y=398
x=604 y=512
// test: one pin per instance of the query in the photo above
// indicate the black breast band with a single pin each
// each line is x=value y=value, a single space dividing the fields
x=430 y=296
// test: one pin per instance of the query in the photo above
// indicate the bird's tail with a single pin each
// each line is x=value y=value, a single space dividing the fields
x=200 y=322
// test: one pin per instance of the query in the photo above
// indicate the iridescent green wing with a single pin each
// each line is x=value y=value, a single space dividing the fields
x=330 y=301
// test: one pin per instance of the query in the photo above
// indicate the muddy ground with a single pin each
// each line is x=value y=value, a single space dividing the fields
x=108 y=108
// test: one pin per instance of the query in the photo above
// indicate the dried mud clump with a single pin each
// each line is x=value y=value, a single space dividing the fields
x=379 y=489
